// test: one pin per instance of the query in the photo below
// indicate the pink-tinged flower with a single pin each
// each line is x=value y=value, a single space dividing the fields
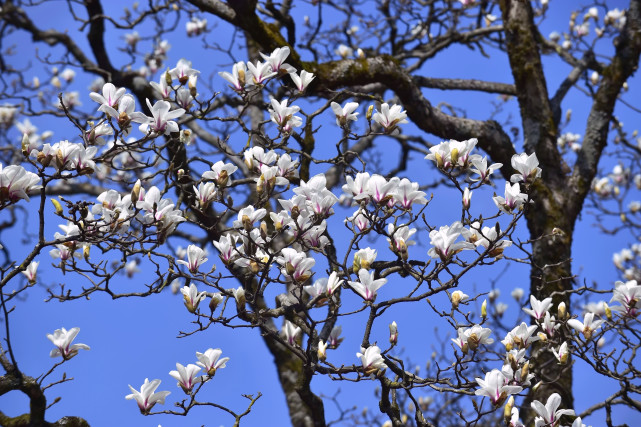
x=296 y=265
x=192 y=297
x=147 y=397
x=588 y=326
x=31 y=271
x=284 y=116
x=237 y=76
x=16 y=183
x=291 y=333
x=471 y=338
x=539 y=308
x=110 y=95
x=515 y=418
x=366 y=287
x=247 y=216
x=388 y=118
x=495 y=386
x=344 y=114
x=162 y=88
x=260 y=72
x=482 y=170
x=407 y=193
x=364 y=259
x=393 y=333
x=526 y=166
x=562 y=353
x=195 y=27
x=277 y=60
x=333 y=283
x=126 y=107
x=628 y=295
x=183 y=71
x=210 y=360
x=196 y=256
x=186 y=376
x=520 y=336
x=334 y=339
x=443 y=241
x=303 y=81
x=62 y=338
x=548 y=414
x=226 y=245
x=371 y=359
x=513 y=199
x=161 y=121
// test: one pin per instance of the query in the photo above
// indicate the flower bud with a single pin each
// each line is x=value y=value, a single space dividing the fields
x=216 y=299
x=370 y=111
x=507 y=412
x=168 y=78
x=484 y=309
x=561 y=311
x=608 y=311
x=322 y=351
x=85 y=252
x=56 y=204
x=393 y=333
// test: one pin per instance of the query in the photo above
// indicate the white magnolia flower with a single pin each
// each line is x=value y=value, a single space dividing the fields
x=495 y=386
x=443 y=241
x=526 y=166
x=562 y=353
x=147 y=397
x=371 y=359
x=303 y=80
x=388 y=118
x=186 y=376
x=539 y=308
x=513 y=200
x=344 y=114
x=210 y=360
x=161 y=121
x=588 y=326
x=237 y=76
x=192 y=297
x=196 y=257
x=366 y=287
x=291 y=333
x=183 y=71
x=31 y=271
x=549 y=415
x=62 y=339
x=628 y=295
x=110 y=95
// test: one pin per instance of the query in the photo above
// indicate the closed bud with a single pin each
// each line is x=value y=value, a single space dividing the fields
x=263 y=230
x=562 y=312
x=135 y=192
x=370 y=111
x=393 y=333
x=507 y=411
x=56 y=204
x=85 y=252
x=608 y=311
x=484 y=309
x=25 y=144
x=168 y=78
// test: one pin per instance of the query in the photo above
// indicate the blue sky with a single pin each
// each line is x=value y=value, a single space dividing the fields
x=132 y=339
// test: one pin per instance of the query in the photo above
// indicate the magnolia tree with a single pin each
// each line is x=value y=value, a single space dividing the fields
x=272 y=156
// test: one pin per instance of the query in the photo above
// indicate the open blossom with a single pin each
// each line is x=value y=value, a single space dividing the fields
x=526 y=166
x=388 y=118
x=407 y=194
x=443 y=241
x=147 y=397
x=628 y=295
x=62 y=339
x=471 y=338
x=588 y=326
x=31 y=270
x=303 y=80
x=334 y=338
x=399 y=239
x=539 y=308
x=110 y=95
x=495 y=386
x=161 y=121
x=481 y=168
x=183 y=71
x=220 y=173
x=562 y=353
x=371 y=359
x=210 y=360
x=16 y=183
x=195 y=27
x=237 y=76
x=366 y=287
x=260 y=72
x=514 y=199
x=364 y=258
x=226 y=245
x=520 y=336
x=284 y=116
x=276 y=60
x=291 y=333
x=344 y=114
x=196 y=257
x=186 y=376
x=548 y=413
x=457 y=296
x=192 y=297
x=247 y=216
